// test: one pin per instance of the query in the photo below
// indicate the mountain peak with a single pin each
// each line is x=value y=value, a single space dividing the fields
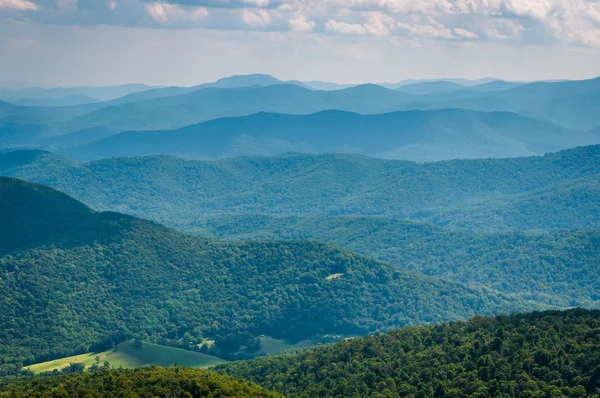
x=247 y=80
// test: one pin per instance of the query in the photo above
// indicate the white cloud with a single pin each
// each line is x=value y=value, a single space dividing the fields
x=546 y=22
x=165 y=13
x=345 y=28
x=430 y=31
x=18 y=5
x=300 y=24
x=467 y=34
x=378 y=24
x=256 y=18
x=257 y=3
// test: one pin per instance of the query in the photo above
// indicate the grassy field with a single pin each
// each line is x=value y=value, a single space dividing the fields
x=126 y=355
x=273 y=346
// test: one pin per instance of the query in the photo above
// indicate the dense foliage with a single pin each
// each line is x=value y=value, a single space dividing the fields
x=542 y=355
x=105 y=277
x=559 y=268
x=560 y=190
x=144 y=382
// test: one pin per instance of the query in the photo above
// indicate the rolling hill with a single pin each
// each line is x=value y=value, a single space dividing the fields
x=129 y=355
x=75 y=281
x=558 y=268
x=524 y=355
x=555 y=191
x=411 y=135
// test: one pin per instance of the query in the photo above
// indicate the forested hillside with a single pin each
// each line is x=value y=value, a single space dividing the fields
x=548 y=354
x=558 y=190
x=559 y=268
x=101 y=278
x=145 y=382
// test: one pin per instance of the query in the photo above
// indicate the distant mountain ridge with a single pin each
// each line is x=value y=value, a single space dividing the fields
x=409 y=135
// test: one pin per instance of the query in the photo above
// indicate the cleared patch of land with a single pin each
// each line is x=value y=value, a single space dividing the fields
x=272 y=346
x=128 y=355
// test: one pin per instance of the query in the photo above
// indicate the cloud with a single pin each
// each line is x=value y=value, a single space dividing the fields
x=256 y=18
x=345 y=28
x=377 y=24
x=430 y=31
x=465 y=33
x=540 y=22
x=18 y=5
x=300 y=24
x=227 y=3
x=165 y=13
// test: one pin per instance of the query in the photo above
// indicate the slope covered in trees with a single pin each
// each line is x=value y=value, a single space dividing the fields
x=410 y=135
x=548 y=354
x=558 y=190
x=138 y=383
x=100 y=278
x=559 y=268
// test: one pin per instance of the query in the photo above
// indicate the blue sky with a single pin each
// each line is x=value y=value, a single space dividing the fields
x=187 y=42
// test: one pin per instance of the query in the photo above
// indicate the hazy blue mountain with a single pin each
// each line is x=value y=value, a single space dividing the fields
x=318 y=85
x=75 y=280
x=460 y=81
x=69 y=100
x=102 y=93
x=79 y=137
x=575 y=104
x=496 y=85
x=435 y=87
x=571 y=104
x=43 y=114
x=211 y=103
x=236 y=81
x=410 y=135
x=446 y=91
x=22 y=131
x=558 y=190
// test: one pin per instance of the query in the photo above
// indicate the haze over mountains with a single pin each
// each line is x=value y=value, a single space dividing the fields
x=411 y=135
x=534 y=118
x=239 y=218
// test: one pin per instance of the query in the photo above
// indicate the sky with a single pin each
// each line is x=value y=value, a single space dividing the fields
x=188 y=42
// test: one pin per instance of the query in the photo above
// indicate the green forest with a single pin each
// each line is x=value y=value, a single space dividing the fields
x=556 y=191
x=558 y=268
x=543 y=354
x=138 y=383
x=96 y=279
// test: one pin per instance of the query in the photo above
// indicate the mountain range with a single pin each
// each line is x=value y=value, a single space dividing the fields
x=554 y=191
x=409 y=135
